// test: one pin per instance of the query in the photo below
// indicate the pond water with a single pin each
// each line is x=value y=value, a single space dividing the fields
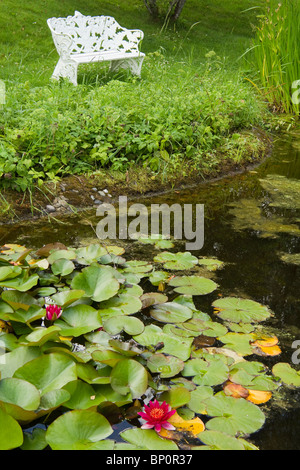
x=249 y=224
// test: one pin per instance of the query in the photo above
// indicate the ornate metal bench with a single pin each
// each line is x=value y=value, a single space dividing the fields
x=83 y=39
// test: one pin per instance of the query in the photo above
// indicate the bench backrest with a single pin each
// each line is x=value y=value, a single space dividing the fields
x=94 y=33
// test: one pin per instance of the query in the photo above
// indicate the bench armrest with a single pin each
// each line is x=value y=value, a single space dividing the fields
x=135 y=36
x=63 y=42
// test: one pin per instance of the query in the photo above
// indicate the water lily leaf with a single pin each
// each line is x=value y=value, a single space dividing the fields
x=34 y=440
x=238 y=342
x=67 y=297
x=97 y=282
x=62 y=267
x=193 y=285
x=153 y=298
x=171 y=312
x=258 y=397
x=119 y=323
x=233 y=416
x=176 y=261
x=157 y=277
x=78 y=430
x=41 y=335
x=287 y=374
x=266 y=350
x=159 y=241
x=175 y=346
x=212 y=264
x=137 y=266
x=241 y=310
x=129 y=375
x=17 y=393
x=235 y=390
x=166 y=366
x=198 y=397
x=18 y=300
x=24 y=282
x=81 y=396
x=147 y=439
x=123 y=303
x=206 y=373
x=78 y=320
x=13 y=360
x=9 y=272
x=194 y=426
x=61 y=254
x=48 y=372
x=176 y=397
x=11 y=434
x=220 y=441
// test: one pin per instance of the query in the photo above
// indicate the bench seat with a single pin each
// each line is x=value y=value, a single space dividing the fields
x=83 y=39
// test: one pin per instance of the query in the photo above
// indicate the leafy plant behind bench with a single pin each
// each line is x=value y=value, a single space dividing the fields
x=176 y=112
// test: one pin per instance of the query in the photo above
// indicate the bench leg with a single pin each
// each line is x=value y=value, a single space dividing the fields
x=66 y=69
x=135 y=65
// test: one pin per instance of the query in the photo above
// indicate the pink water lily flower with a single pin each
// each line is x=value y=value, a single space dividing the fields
x=53 y=312
x=157 y=416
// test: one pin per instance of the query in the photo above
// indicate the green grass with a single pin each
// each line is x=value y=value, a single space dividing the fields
x=28 y=53
x=189 y=110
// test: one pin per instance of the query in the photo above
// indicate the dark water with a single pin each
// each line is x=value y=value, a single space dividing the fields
x=254 y=266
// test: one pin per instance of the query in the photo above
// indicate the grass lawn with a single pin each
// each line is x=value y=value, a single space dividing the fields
x=190 y=115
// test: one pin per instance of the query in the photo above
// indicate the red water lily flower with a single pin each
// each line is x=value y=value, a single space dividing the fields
x=53 y=312
x=157 y=416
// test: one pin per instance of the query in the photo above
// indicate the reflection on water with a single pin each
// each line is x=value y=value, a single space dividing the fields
x=254 y=264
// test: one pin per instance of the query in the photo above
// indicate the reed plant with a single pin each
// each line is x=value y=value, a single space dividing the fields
x=276 y=54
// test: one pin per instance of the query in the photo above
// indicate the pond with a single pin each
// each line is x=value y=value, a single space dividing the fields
x=252 y=224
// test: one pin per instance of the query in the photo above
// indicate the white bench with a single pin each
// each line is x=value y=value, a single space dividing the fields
x=83 y=39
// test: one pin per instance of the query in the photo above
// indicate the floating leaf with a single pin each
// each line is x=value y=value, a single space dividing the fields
x=97 y=282
x=171 y=312
x=11 y=435
x=220 y=441
x=147 y=439
x=241 y=310
x=129 y=376
x=176 y=261
x=137 y=266
x=48 y=372
x=232 y=416
x=194 y=426
x=62 y=267
x=78 y=319
x=235 y=390
x=166 y=366
x=123 y=303
x=206 y=373
x=198 y=398
x=193 y=285
x=119 y=323
x=78 y=430
x=176 y=397
x=152 y=298
x=287 y=374
x=67 y=297
x=259 y=397
x=212 y=264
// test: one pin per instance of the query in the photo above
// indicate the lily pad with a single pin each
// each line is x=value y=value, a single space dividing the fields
x=166 y=366
x=78 y=320
x=220 y=441
x=241 y=310
x=287 y=374
x=97 y=282
x=78 y=430
x=232 y=416
x=171 y=312
x=211 y=264
x=119 y=323
x=176 y=261
x=147 y=439
x=193 y=285
x=123 y=303
x=129 y=376
x=11 y=435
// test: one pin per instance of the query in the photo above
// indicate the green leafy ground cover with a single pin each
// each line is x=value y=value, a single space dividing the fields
x=121 y=338
x=187 y=115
